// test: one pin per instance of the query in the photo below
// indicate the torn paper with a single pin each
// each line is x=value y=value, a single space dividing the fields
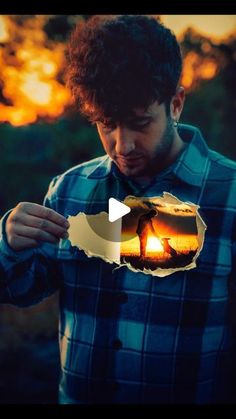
x=96 y=235
x=160 y=235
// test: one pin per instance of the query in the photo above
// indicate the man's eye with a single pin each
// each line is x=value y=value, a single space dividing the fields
x=139 y=126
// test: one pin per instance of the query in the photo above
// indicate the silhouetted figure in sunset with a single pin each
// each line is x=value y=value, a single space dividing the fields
x=167 y=247
x=145 y=227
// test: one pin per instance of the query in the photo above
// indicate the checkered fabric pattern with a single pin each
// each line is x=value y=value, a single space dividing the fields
x=127 y=337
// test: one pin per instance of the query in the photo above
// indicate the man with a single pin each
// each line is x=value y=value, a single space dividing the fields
x=144 y=228
x=128 y=337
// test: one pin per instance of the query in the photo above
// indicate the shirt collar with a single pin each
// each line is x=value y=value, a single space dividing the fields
x=189 y=167
x=102 y=170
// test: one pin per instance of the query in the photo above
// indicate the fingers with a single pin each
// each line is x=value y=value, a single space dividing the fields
x=43 y=224
x=43 y=212
x=21 y=243
x=35 y=234
x=29 y=224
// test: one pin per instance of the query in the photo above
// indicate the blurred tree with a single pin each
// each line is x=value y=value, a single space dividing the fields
x=211 y=104
x=31 y=155
x=58 y=27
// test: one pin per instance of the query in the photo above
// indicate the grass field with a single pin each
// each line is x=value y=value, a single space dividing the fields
x=165 y=261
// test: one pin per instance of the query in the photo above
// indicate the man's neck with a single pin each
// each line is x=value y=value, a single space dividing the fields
x=177 y=148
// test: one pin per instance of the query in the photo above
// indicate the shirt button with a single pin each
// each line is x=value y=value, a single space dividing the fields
x=117 y=344
x=122 y=297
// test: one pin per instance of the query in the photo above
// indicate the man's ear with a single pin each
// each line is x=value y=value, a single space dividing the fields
x=177 y=103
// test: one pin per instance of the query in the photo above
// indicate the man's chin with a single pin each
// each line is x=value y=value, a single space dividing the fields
x=132 y=171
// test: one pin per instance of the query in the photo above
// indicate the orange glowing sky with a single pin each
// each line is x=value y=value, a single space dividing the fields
x=29 y=74
x=29 y=77
x=216 y=26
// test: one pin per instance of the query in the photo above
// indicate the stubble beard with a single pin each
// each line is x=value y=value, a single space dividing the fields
x=163 y=150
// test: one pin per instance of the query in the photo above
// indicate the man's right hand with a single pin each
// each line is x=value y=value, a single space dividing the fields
x=30 y=224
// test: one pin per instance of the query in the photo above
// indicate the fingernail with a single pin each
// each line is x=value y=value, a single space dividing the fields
x=66 y=224
x=65 y=235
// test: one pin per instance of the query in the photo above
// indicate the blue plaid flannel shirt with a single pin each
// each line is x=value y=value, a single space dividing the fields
x=127 y=337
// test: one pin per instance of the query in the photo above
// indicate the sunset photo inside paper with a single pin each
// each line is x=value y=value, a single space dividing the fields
x=159 y=236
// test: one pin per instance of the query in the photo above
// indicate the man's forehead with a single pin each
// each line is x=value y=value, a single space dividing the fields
x=148 y=111
x=135 y=113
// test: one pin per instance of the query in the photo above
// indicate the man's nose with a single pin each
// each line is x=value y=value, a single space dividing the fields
x=124 y=139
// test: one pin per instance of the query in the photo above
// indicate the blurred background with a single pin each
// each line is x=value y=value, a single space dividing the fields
x=41 y=136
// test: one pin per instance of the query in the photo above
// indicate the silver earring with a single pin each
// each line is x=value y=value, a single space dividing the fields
x=175 y=123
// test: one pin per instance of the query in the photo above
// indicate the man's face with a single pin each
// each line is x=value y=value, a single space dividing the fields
x=142 y=143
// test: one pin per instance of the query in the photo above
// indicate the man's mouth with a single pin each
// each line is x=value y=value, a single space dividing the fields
x=129 y=159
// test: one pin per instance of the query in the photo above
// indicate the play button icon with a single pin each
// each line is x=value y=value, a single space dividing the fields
x=110 y=224
x=116 y=210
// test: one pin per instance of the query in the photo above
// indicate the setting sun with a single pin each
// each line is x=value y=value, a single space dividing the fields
x=154 y=245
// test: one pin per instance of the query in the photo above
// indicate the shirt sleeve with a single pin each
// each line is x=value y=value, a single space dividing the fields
x=232 y=278
x=27 y=276
x=234 y=263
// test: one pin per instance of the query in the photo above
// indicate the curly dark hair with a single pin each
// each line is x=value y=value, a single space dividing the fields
x=119 y=63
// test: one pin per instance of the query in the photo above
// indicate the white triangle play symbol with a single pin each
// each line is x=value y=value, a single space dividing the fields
x=117 y=210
